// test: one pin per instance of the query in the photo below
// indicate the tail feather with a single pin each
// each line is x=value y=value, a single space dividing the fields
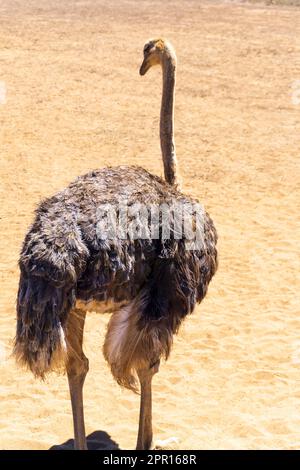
x=53 y=257
x=142 y=332
x=42 y=310
x=132 y=344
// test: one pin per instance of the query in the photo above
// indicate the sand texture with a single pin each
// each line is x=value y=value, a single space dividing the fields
x=75 y=102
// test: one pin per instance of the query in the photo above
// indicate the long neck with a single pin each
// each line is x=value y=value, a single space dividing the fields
x=167 y=121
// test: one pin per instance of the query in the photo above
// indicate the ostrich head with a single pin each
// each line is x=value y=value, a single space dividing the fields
x=157 y=51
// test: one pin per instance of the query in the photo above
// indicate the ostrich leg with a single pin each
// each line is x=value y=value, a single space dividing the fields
x=144 y=440
x=77 y=368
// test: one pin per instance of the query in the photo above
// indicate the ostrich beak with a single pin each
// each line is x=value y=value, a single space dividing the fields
x=145 y=66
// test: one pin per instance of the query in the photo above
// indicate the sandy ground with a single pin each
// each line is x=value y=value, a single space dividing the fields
x=75 y=102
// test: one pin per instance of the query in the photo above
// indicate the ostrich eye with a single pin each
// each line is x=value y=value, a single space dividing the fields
x=147 y=48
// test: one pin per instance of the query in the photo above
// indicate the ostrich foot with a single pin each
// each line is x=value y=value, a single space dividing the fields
x=166 y=444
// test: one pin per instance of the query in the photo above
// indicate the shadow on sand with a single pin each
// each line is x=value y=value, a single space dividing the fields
x=97 y=440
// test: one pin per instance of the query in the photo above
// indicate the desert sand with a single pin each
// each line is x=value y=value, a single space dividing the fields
x=75 y=102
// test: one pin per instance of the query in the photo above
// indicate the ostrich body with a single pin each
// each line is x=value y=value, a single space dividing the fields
x=150 y=285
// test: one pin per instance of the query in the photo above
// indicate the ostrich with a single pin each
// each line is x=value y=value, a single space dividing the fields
x=149 y=285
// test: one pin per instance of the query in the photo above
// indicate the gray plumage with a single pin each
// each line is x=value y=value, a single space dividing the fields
x=64 y=258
